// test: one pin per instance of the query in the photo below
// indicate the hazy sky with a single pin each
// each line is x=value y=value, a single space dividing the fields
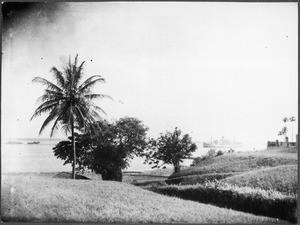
x=211 y=69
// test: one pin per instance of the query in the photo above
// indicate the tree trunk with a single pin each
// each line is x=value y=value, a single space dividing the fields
x=292 y=132
x=74 y=149
x=176 y=167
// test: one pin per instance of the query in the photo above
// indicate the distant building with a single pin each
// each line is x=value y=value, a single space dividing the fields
x=286 y=143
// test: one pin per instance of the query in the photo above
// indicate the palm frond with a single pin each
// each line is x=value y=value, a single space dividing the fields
x=54 y=127
x=78 y=74
x=58 y=75
x=69 y=78
x=54 y=94
x=97 y=96
x=50 y=95
x=70 y=63
x=47 y=83
x=92 y=106
x=80 y=116
x=42 y=99
x=100 y=109
x=66 y=128
x=90 y=82
x=45 y=107
x=75 y=62
x=53 y=114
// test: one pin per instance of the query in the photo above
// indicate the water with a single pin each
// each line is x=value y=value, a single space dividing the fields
x=40 y=158
x=31 y=157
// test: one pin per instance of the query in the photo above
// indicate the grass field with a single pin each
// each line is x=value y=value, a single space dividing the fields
x=281 y=178
x=42 y=198
x=242 y=162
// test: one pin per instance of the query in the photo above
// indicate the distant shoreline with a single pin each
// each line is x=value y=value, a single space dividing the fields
x=38 y=139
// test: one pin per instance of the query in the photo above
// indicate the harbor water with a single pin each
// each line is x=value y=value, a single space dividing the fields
x=18 y=155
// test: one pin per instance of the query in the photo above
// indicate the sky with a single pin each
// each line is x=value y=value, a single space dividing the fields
x=211 y=69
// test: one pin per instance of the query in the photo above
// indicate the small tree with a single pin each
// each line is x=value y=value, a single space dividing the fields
x=170 y=148
x=283 y=131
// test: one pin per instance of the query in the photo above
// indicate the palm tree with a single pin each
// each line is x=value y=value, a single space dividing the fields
x=285 y=119
x=292 y=119
x=68 y=102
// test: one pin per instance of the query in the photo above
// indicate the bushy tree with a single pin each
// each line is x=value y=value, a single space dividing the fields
x=170 y=148
x=111 y=150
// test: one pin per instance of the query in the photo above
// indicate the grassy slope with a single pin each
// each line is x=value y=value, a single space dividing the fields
x=39 y=197
x=280 y=178
x=242 y=162
x=269 y=169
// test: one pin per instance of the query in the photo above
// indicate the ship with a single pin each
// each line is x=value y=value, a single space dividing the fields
x=33 y=142
x=222 y=143
x=14 y=142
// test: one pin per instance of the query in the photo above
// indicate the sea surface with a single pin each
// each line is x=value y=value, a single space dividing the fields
x=26 y=157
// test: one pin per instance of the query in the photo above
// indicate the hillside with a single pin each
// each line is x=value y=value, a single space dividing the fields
x=42 y=198
x=236 y=164
x=280 y=178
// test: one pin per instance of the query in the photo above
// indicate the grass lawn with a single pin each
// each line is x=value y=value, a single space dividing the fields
x=42 y=198
x=242 y=162
x=280 y=178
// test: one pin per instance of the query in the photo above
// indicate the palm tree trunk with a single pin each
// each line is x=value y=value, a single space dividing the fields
x=292 y=131
x=74 y=149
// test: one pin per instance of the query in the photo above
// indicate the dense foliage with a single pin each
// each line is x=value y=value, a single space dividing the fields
x=110 y=150
x=170 y=148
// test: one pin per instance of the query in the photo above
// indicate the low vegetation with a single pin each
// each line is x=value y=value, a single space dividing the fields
x=42 y=198
x=257 y=201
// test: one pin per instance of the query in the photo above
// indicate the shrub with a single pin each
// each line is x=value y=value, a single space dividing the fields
x=197 y=161
x=211 y=153
x=200 y=160
x=256 y=201
x=220 y=152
